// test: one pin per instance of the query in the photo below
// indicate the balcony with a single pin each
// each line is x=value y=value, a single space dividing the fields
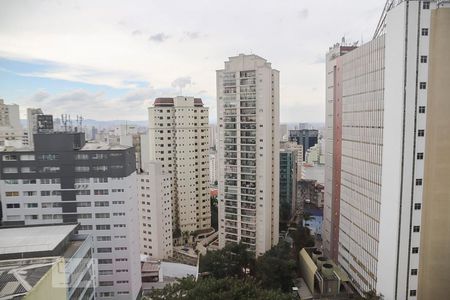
x=231 y=237
x=248 y=133
x=248 y=191
x=230 y=217
x=251 y=163
x=231 y=230
x=248 y=233
x=247 y=89
x=231 y=204
x=248 y=205
x=231 y=133
x=247 y=96
x=231 y=210
x=247 y=74
x=231 y=182
x=248 y=148
x=248 y=219
x=248 y=170
x=229 y=189
x=231 y=162
x=230 y=112
x=248 y=198
x=248 y=177
x=232 y=126
x=230 y=140
x=230 y=119
x=230 y=197
x=251 y=119
x=248 y=227
x=231 y=169
x=231 y=176
x=230 y=155
x=248 y=240
x=248 y=111
x=244 y=126
x=230 y=148
x=231 y=224
x=248 y=184
x=248 y=103
x=248 y=141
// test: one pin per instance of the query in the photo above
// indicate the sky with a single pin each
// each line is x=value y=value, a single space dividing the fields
x=108 y=60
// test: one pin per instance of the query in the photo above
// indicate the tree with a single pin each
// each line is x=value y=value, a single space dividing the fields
x=302 y=238
x=232 y=260
x=275 y=270
x=216 y=289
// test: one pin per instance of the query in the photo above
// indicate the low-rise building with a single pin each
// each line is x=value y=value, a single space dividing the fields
x=46 y=262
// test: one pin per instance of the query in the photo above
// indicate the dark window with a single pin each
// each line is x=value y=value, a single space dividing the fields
x=421 y=109
x=420 y=155
x=415 y=250
x=423 y=59
x=423 y=85
x=419 y=181
x=426 y=5
x=417 y=206
x=416 y=229
x=413 y=272
x=421 y=132
x=412 y=293
x=424 y=31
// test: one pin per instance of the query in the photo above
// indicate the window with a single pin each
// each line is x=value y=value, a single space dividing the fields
x=104 y=250
x=115 y=154
x=9 y=170
x=28 y=170
x=31 y=205
x=412 y=293
x=84 y=216
x=83 y=204
x=118 y=167
x=85 y=227
x=423 y=59
x=49 y=169
x=424 y=31
x=420 y=155
x=421 y=109
x=99 y=156
x=415 y=250
x=419 y=181
x=106 y=283
x=417 y=206
x=27 y=157
x=106 y=294
x=29 y=181
x=83 y=192
x=423 y=85
x=416 y=229
x=100 y=192
x=48 y=157
x=45 y=193
x=29 y=193
x=11 y=181
x=80 y=156
x=9 y=157
x=101 y=203
x=103 y=238
x=100 y=180
x=31 y=217
x=420 y=132
x=413 y=272
x=100 y=168
x=81 y=180
x=105 y=272
x=426 y=5
x=103 y=227
x=102 y=215
x=104 y=261
x=51 y=181
x=13 y=205
x=81 y=169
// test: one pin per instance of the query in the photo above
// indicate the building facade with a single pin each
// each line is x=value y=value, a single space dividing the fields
x=305 y=137
x=64 y=179
x=10 y=127
x=178 y=137
x=288 y=184
x=248 y=152
x=382 y=213
x=155 y=212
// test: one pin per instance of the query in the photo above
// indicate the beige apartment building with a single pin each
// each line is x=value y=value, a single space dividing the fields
x=248 y=152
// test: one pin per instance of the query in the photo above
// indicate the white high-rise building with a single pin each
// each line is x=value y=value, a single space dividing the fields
x=66 y=180
x=178 y=137
x=155 y=211
x=212 y=167
x=248 y=152
x=10 y=127
x=386 y=218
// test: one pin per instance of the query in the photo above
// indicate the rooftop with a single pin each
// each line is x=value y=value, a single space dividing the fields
x=89 y=146
x=33 y=238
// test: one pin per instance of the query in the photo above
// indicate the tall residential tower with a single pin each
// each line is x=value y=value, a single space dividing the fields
x=248 y=152
x=387 y=171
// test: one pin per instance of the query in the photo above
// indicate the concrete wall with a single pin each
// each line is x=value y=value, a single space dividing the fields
x=52 y=285
x=434 y=268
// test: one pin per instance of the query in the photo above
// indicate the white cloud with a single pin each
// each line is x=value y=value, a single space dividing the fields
x=107 y=42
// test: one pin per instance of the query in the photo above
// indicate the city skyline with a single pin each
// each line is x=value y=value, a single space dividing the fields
x=107 y=60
